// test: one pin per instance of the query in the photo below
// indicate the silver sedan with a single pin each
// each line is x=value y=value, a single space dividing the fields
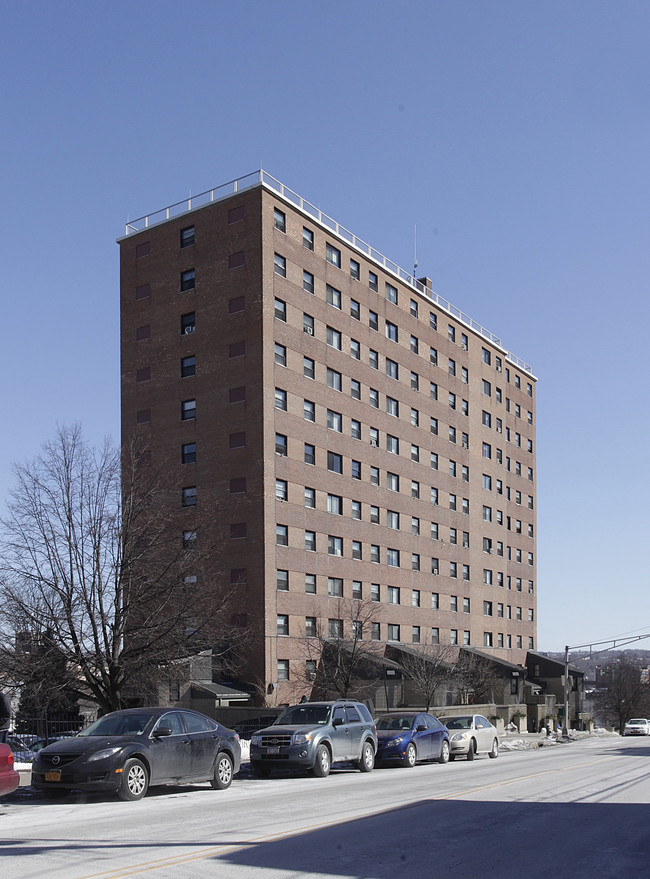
x=471 y=734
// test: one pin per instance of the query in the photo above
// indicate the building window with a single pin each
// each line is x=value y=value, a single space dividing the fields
x=188 y=280
x=308 y=367
x=187 y=236
x=310 y=627
x=334 y=379
x=281 y=489
x=335 y=587
x=333 y=297
x=357 y=552
x=307 y=238
x=355 y=270
x=188 y=366
x=334 y=462
x=356 y=469
x=281 y=399
x=391 y=293
x=392 y=368
x=335 y=628
x=188 y=453
x=355 y=429
x=280 y=354
x=334 y=545
x=189 y=539
x=143 y=375
x=280 y=444
x=487 y=639
x=333 y=255
x=310 y=498
x=280 y=309
x=188 y=410
x=355 y=389
x=334 y=421
x=279 y=220
x=392 y=407
x=373 y=281
x=374 y=475
x=279 y=265
x=307 y=282
x=142 y=249
x=237 y=304
x=282 y=580
x=237 y=349
x=310 y=541
x=189 y=496
x=310 y=453
x=143 y=333
x=283 y=624
x=355 y=309
x=143 y=291
x=282 y=535
x=310 y=584
x=237 y=440
x=392 y=558
x=309 y=410
x=236 y=260
x=393 y=632
x=392 y=481
x=391 y=331
x=335 y=504
x=333 y=338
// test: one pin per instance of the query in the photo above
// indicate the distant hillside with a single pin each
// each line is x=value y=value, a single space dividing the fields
x=587 y=662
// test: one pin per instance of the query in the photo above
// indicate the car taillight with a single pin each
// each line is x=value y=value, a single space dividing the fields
x=10 y=758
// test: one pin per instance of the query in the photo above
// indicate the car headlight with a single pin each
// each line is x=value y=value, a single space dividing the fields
x=459 y=737
x=104 y=753
x=255 y=740
x=397 y=741
x=301 y=738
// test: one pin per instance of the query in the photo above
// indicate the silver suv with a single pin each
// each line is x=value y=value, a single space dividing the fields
x=313 y=735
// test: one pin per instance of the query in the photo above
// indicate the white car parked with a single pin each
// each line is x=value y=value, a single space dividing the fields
x=471 y=734
x=637 y=726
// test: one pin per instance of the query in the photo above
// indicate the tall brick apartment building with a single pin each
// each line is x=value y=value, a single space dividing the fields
x=361 y=437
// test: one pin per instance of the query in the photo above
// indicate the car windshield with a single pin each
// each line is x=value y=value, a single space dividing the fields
x=395 y=722
x=637 y=720
x=304 y=715
x=458 y=722
x=119 y=725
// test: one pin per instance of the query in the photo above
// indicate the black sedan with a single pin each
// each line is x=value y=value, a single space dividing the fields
x=127 y=751
x=411 y=736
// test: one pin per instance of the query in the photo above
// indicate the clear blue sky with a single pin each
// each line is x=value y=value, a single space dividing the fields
x=514 y=134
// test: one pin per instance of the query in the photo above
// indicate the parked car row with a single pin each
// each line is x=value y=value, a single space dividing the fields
x=128 y=751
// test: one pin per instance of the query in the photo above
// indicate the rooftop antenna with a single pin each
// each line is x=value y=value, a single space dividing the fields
x=415 y=250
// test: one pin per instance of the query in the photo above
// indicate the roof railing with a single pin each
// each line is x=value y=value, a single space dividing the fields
x=261 y=177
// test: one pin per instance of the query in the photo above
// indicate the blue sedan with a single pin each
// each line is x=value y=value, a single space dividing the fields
x=411 y=736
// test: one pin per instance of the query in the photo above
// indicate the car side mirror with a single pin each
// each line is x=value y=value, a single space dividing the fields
x=420 y=727
x=338 y=721
x=162 y=731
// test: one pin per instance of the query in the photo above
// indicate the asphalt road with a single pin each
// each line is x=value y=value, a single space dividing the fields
x=574 y=810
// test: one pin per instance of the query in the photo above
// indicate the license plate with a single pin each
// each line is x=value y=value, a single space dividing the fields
x=272 y=750
x=53 y=776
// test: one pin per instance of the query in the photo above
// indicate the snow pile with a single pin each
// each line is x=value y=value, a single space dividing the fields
x=517 y=744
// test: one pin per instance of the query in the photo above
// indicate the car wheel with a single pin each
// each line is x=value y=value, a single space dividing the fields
x=411 y=757
x=494 y=752
x=445 y=756
x=261 y=771
x=367 y=762
x=471 y=753
x=322 y=765
x=223 y=767
x=135 y=780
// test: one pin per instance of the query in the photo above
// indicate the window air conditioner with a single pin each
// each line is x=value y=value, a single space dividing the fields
x=308 y=330
x=374 y=442
x=189 y=329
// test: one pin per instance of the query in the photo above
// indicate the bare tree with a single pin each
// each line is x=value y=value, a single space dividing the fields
x=429 y=666
x=341 y=658
x=477 y=678
x=623 y=694
x=93 y=564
